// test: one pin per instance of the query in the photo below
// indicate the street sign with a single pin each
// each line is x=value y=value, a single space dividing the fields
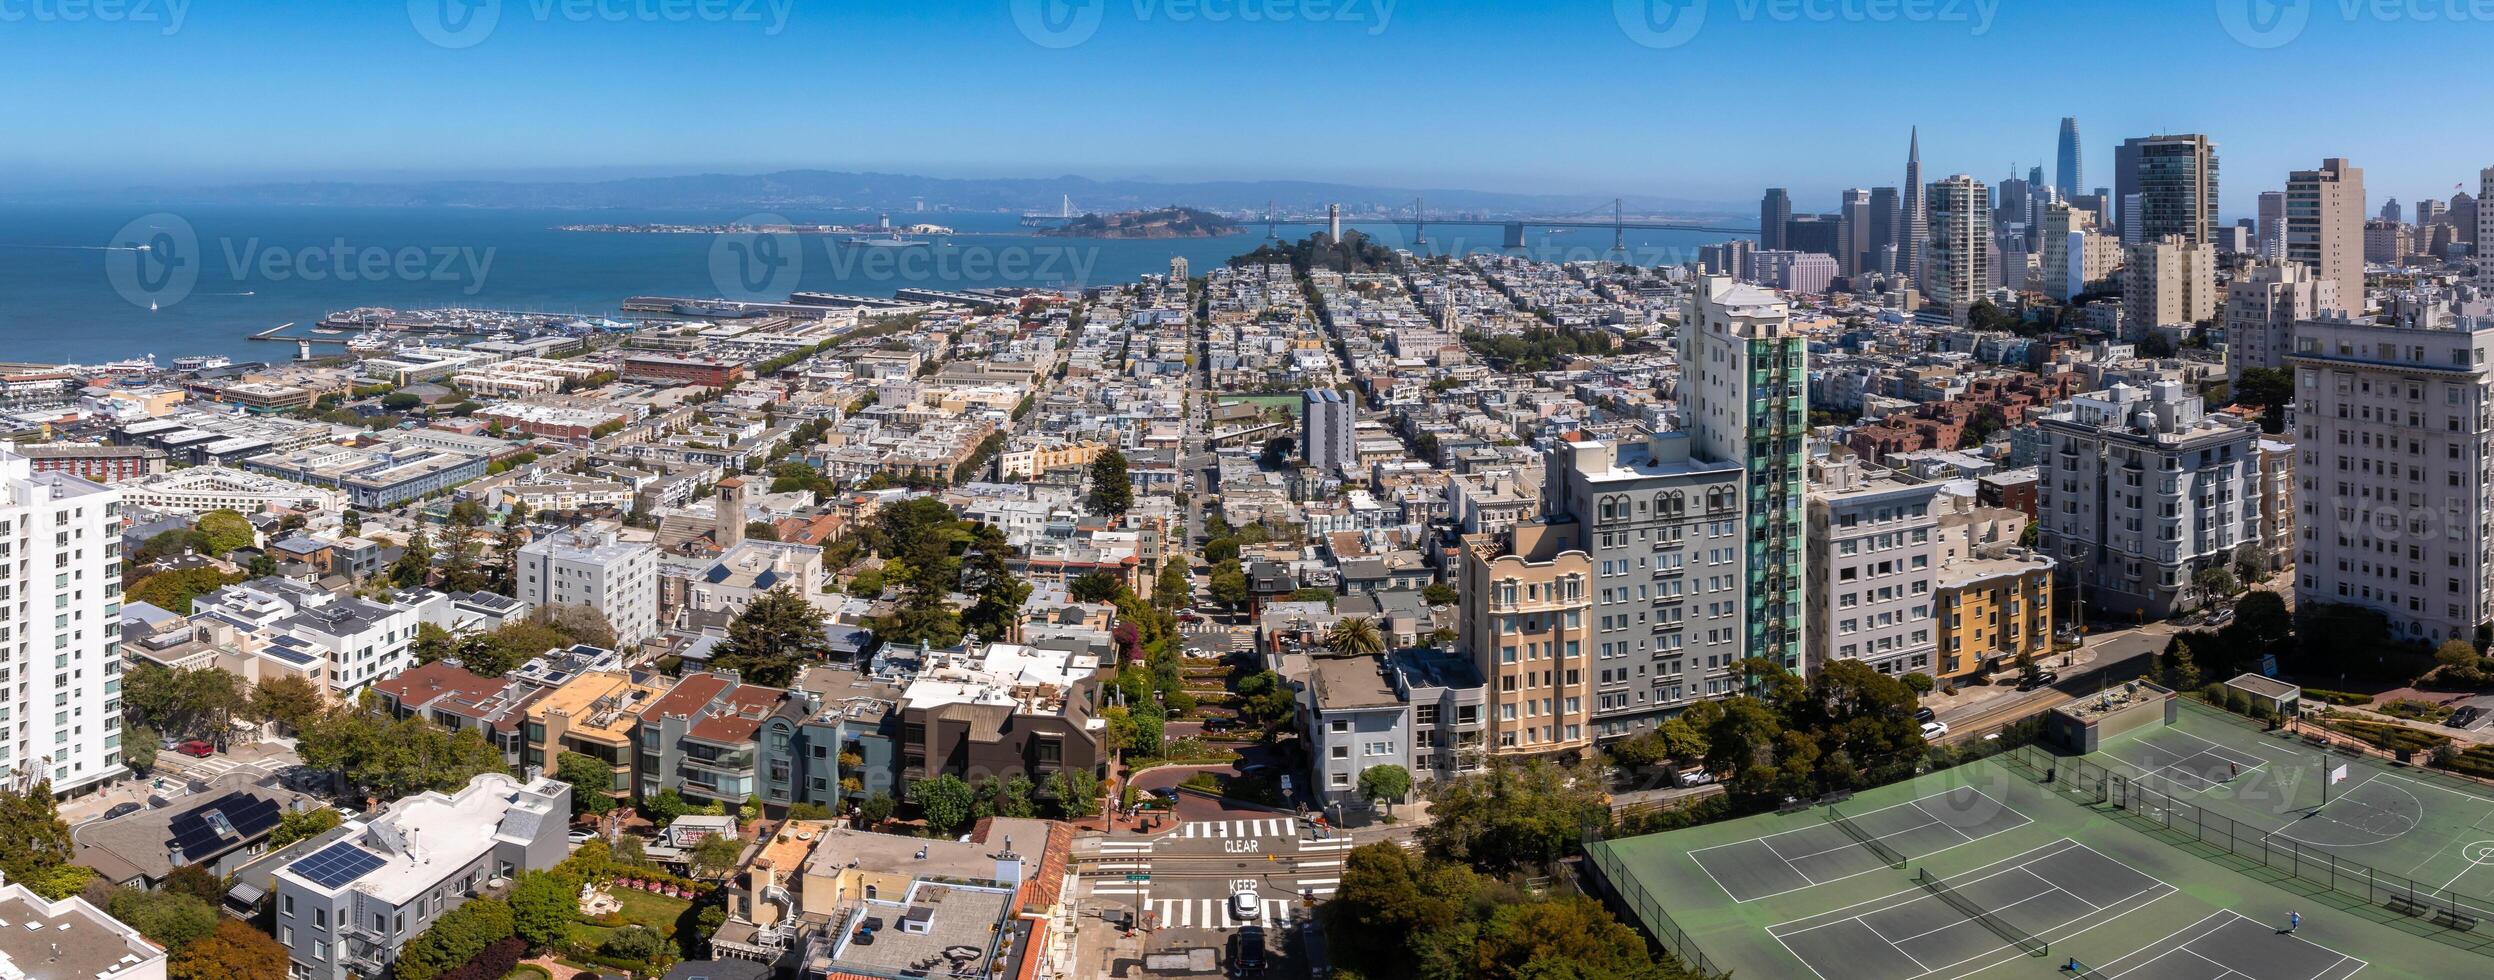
x=1138 y=877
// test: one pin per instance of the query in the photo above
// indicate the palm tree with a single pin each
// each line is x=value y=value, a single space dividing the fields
x=1355 y=636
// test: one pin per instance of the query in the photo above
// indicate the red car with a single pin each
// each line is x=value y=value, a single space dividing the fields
x=196 y=748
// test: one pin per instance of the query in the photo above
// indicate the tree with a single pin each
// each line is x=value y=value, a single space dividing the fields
x=1221 y=550
x=577 y=624
x=2215 y=581
x=288 y=700
x=1094 y=587
x=1439 y=594
x=138 y=747
x=1008 y=795
x=415 y=562
x=1076 y=792
x=400 y=401
x=2262 y=617
x=226 y=531
x=1266 y=698
x=774 y=634
x=233 y=950
x=987 y=573
x=592 y=782
x=390 y=759
x=297 y=825
x=944 y=800
x=715 y=856
x=543 y=905
x=1174 y=587
x=1386 y=784
x=664 y=807
x=1514 y=816
x=1229 y=584
x=1355 y=636
x=875 y=809
x=2271 y=389
x=455 y=937
x=172 y=920
x=1277 y=452
x=2180 y=670
x=197 y=882
x=1112 y=491
x=174 y=590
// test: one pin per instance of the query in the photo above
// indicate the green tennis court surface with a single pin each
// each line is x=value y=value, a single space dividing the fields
x=2175 y=853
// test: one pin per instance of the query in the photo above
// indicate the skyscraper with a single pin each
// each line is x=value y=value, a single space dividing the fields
x=1744 y=398
x=1773 y=210
x=1959 y=250
x=1916 y=212
x=1854 y=238
x=1886 y=239
x=2325 y=228
x=2175 y=179
x=2069 y=177
x=2390 y=211
x=64 y=529
x=1327 y=424
x=2270 y=231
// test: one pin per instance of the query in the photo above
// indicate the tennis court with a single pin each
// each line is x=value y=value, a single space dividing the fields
x=2001 y=912
x=1847 y=845
x=2190 y=762
x=2226 y=946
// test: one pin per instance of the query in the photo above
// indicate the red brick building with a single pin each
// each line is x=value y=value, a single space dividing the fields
x=671 y=369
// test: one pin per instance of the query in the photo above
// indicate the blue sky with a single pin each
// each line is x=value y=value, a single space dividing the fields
x=1590 y=96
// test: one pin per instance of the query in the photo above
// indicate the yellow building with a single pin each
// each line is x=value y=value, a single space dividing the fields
x=1525 y=605
x=592 y=714
x=1990 y=610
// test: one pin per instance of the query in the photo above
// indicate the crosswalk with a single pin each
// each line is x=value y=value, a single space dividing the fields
x=1228 y=829
x=1212 y=913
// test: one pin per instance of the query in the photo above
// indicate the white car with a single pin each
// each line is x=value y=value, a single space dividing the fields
x=1245 y=904
x=1934 y=730
x=579 y=837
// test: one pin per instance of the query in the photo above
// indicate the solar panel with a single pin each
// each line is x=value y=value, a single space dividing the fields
x=337 y=865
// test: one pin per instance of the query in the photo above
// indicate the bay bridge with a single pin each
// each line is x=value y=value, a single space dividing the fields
x=1516 y=230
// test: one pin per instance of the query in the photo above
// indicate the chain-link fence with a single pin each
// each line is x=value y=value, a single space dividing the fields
x=1620 y=888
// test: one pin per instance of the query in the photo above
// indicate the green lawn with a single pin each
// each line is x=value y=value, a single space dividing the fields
x=658 y=912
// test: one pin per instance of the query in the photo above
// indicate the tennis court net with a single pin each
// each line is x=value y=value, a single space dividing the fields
x=1877 y=846
x=2022 y=940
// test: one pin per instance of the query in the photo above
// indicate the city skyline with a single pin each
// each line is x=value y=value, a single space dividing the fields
x=543 y=90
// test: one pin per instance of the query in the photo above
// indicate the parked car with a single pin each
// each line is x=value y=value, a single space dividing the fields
x=1189 y=616
x=1245 y=904
x=123 y=810
x=1925 y=714
x=1695 y=777
x=1934 y=730
x=196 y=749
x=2465 y=717
x=580 y=836
x=2041 y=678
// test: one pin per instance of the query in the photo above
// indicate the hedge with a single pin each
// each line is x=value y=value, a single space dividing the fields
x=2386 y=735
x=2337 y=697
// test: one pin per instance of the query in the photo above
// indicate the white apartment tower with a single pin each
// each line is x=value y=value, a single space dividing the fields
x=2393 y=440
x=1874 y=555
x=2168 y=282
x=1959 y=246
x=60 y=589
x=2325 y=228
x=2263 y=304
x=2141 y=489
x=591 y=566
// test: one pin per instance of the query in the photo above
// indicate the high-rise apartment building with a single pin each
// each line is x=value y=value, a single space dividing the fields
x=1886 y=231
x=1916 y=210
x=2325 y=227
x=2175 y=180
x=2141 y=489
x=2076 y=257
x=1328 y=426
x=1773 y=210
x=592 y=566
x=1874 y=550
x=2393 y=448
x=2390 y=211
x=1743 y=390
x=60 y=590
x=2067 y=177
x=2263 y=304
x=2269 y=232
x=2168 y=282
x=1854 y=239
x=1958 y=250
x=1528 y=620
x=2463 y=217
x=1663 y=529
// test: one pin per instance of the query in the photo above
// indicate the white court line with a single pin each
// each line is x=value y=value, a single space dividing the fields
x=2230 y=915
x=2342 y=796
x=2023 y=820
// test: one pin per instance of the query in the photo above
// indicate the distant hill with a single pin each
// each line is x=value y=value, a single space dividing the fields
x=838 y=190
x=1171 y=222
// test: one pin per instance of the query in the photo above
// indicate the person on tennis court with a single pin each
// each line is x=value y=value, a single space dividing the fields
x=2294 y=921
